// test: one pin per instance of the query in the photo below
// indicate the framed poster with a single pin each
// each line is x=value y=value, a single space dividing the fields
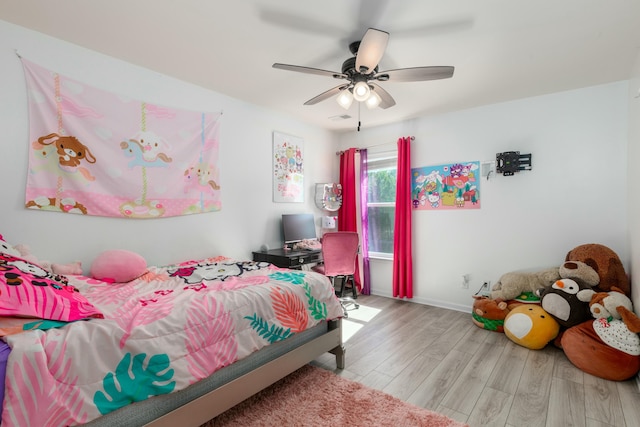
x=288 y=168
x=448 y=186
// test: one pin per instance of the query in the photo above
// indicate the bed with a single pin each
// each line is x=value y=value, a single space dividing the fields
x=176 y=346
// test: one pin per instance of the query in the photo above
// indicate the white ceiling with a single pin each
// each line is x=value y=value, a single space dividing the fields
x=501 y=50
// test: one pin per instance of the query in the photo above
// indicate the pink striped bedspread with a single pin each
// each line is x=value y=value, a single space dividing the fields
x=168 y=329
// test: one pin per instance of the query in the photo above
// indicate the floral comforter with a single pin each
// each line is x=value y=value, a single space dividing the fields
x=162 y=332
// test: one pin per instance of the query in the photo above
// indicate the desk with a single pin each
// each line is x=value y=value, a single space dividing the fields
x=288 y=259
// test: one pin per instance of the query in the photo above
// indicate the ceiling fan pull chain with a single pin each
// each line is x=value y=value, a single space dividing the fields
x=358 y=116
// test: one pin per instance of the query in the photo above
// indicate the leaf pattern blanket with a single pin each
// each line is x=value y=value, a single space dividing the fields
x=168 y=329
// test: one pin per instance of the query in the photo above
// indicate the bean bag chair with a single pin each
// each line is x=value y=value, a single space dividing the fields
x=587 y=351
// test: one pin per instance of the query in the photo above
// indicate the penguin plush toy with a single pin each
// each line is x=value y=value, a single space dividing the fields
x=562 y=303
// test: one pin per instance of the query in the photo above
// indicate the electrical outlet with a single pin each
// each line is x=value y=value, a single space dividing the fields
x=465 y=281
x=486 y=288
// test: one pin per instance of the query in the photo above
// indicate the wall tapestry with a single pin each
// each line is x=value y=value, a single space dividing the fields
x=288 y=168
x=97 y=153
x=449 y=186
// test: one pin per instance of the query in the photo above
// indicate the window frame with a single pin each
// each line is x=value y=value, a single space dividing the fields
x=381 y=161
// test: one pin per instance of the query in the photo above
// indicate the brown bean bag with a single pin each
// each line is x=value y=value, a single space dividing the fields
x=584 y=348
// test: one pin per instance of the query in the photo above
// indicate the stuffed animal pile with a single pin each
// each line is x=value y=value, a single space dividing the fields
x=582 y=306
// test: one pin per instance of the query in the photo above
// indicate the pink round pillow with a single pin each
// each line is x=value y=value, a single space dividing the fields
x=118 y=266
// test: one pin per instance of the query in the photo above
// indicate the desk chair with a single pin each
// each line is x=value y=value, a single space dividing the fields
x=339 y=253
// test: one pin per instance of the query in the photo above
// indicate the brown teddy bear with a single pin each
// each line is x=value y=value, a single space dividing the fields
x=606 y=263
x=580 y=272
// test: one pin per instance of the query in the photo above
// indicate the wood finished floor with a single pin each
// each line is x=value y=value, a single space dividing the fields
x=438 y=359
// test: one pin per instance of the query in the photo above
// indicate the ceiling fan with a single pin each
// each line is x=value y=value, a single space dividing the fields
x=360 y=73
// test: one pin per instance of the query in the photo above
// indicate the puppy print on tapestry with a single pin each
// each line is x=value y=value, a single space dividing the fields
x=198 y=178
x=70 y=150
x=152 y=146
x=202 y=271
x=70 y=153
x=146 y=149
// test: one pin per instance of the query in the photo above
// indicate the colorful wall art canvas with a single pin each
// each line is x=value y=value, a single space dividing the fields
x=288 y=168
x=448 y=186
x=93 y=152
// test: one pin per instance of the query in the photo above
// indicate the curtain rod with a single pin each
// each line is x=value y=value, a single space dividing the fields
x=371 y=146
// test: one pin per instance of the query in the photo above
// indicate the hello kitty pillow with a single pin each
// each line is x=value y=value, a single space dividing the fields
x=7 y=248
x=27 y=290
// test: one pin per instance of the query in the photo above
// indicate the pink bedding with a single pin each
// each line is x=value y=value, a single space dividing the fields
x=171 y=327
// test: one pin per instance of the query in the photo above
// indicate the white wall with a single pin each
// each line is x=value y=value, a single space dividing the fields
x=575 y=194
x=633 y=178
x=248 y=218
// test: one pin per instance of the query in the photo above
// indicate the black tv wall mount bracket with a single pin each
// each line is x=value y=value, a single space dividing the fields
x=510 y=162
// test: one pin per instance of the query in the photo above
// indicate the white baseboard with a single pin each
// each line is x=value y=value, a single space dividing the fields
x=432 y=302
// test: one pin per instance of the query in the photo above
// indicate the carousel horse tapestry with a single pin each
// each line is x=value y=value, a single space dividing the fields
x=93 y=152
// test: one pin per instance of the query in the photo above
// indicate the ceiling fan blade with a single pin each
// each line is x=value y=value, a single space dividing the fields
x=281 y=18
x=309 y=70
x=326 y=95
x=371 y=49
x=386 y=99
x=415 y=74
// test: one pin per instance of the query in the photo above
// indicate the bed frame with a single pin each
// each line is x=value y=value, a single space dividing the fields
x=203 y=409
x=206 y=407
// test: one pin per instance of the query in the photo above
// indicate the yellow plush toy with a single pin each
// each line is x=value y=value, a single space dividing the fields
x=530 y=326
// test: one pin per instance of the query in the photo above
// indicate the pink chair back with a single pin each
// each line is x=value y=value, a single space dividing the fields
x=339 y=252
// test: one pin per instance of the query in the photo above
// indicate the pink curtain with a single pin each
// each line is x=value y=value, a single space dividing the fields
x=347 y=215
x=402 y=254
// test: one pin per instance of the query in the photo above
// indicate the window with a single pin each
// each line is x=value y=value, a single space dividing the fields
x=381 y=203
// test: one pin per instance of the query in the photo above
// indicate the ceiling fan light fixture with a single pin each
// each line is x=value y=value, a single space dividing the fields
x=361 y=91
x=360 y=74
x=345 y=99
x=373 y=101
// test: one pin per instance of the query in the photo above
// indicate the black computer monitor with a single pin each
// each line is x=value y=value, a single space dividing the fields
x=298 y=227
